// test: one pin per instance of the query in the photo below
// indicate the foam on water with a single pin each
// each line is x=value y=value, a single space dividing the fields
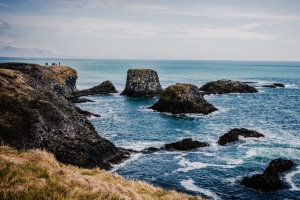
x=132 y=158
x=188 y=166
x=189 y=184
x=289 y=179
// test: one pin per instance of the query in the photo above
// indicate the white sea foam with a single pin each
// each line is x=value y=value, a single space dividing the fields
x=132 y=158
x=188 y=166
x=189 y=184
x=252 y=152
x=289 y=177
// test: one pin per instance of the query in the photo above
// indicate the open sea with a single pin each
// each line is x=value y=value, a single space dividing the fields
x=212 y=172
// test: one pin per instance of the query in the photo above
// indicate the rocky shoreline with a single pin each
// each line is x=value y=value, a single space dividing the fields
x=37 y=112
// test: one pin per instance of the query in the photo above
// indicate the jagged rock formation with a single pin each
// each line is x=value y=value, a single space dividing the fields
x=186 y=144
x=269 y=180
x=34 y=113
x=225 y=87
x=142 y=83
x=233 y=135
x=183 y=98
x=104 y=88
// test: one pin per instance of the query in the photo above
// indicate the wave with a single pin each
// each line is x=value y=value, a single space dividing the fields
x=189 y=184
x=289 y=177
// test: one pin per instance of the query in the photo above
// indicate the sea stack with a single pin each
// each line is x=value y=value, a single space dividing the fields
x=183 y=98
x=142 y=83
x=226 y=86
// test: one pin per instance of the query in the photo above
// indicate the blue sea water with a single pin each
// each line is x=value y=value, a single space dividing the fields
x=212 y=172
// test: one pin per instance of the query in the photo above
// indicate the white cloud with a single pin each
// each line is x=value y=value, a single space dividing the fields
x=103 y=28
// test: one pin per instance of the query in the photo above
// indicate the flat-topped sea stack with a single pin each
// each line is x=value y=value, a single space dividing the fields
x=225 y=87
x=104 y=88
x=183 y=98
x=142 y=83
x=233 y=135
x=34 y=113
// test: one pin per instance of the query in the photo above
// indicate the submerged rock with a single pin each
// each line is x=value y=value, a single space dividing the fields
x=269 y=180
x=34 y=113
x=186 y=144
x=233 y=135
x=104 y=88
x=183 y=98
x=142 y=83
x=226 y=86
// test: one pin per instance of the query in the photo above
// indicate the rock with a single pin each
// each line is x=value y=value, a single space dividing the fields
x=86 y=113
x=279 y=165
x=104 y=88
x=35 y=114
x=142 y=83
x=79 y=100
x=151 y=150
x=225 y=87
x=269 y=180
x=183 y=98
x=274 y=85
x=186 y=144
x=233 y=135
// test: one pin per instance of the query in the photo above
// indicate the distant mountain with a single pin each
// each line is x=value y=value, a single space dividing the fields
x=9 y=51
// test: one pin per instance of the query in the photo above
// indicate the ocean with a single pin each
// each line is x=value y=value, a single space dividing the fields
x=213 y=172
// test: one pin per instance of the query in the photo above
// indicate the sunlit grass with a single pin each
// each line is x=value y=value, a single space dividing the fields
x=37 y=174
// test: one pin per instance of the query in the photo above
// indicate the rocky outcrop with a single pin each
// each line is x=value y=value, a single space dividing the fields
x=225 y=87
x=186 y=144
x=183 y=98
x=233 y=135
x=142 y=83
x=266 y=85
x=104 y=88
x=35 y=114
x=269 y=180
x=86 y=113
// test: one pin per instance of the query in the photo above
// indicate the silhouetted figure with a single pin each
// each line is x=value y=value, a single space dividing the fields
x=59 y=64
x=46 y=64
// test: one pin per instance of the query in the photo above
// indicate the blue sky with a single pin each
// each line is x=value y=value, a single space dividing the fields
x=155 y=29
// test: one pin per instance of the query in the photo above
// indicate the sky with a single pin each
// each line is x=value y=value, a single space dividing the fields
x=155 y=29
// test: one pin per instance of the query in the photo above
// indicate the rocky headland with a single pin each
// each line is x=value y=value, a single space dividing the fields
x=225 y=87
x=269 y=180
x=183 y=98
x=233 y=135
x=142 y=83
x=34 y=113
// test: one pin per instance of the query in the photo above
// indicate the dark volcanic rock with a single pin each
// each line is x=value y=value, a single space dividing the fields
x=151 y=150
x=79 y=100
x=226 y=86
x=142 y=83
x=35 y=114
x=86 y=113
x=186 y=144
x=104 y=88
x=274 y=85
x=233 y=135
x=269 y=180
x=183 y=98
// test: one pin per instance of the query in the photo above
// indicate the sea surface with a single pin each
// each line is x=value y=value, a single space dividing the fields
x=213 y=172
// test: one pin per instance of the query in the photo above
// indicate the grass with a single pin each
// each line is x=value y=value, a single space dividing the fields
x=36 y=174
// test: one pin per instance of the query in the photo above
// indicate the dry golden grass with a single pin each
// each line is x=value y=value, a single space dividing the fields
x=37 y=174
x=59 y=73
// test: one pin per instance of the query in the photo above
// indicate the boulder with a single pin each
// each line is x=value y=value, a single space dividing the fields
x=226 y=86
x=233 y=135
x=34 y=113
x=269 y=180
x=186 y=144
x=183 y=98
x=104 y=88
x=142 y=83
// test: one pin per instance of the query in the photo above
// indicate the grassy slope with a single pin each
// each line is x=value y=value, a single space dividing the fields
x=37 y=174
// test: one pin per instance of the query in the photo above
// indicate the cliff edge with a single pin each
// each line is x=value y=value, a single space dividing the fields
x=34 y=113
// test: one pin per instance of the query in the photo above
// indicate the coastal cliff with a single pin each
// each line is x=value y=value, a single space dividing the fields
x=34 y=113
